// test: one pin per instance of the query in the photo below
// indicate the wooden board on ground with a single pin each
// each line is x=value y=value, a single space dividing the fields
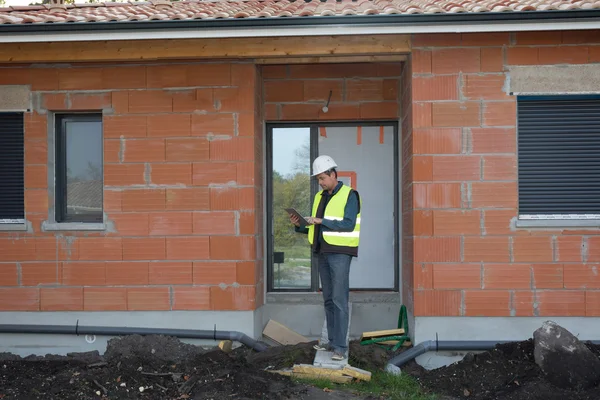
x=311 y=369
x=406 y=343
x=343 y=374
x=311 y=375
x=282 y=335
x=357 y=373
x=376 y=334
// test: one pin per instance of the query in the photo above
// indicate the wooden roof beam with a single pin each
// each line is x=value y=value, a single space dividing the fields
x=321 y=48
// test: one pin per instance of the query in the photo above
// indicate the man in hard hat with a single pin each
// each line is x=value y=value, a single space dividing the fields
x=333 y=232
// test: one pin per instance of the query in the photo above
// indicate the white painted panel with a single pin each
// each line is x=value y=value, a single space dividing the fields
x=373 y=163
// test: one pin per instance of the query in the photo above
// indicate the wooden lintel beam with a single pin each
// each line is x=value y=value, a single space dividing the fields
x=330 y=60
x=230 y=48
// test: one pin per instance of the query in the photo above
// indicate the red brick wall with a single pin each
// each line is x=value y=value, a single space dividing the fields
x=359 y=91
x=467 y=259
x=183 y=188
x=406 y=164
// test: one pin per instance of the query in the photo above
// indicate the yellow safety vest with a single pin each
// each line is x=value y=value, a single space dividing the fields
x=335 y=211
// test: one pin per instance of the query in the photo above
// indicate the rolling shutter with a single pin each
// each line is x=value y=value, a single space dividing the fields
x=12 y=185
x=559 y=156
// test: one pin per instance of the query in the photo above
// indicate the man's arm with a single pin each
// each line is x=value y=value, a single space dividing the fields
x=296 y=222
x=350 y=213
x=300 y=229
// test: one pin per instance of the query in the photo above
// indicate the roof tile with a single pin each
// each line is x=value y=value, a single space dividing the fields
x=239 y=9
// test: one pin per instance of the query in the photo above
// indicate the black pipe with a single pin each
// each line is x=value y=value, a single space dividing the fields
x=441 y=345
x=457 y=19
x=117 y=331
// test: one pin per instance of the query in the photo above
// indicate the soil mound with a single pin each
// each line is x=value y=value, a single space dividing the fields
x=153 y=368
x=507 y=372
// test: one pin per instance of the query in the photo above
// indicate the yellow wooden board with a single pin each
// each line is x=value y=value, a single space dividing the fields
x=314 y=375
x=407 y=343
x=376 y=334
x=311 y=369
x=332 y=378
x=357 y=373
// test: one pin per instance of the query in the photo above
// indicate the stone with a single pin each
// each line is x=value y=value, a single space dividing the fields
x=565 y=360
x=393 y=369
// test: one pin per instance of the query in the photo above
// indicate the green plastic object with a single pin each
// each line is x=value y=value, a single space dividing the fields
x=402 y=324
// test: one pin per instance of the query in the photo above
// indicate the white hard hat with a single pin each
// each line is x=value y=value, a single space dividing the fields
x=323 y=164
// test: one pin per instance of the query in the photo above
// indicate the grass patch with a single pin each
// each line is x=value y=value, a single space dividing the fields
x=392 y=387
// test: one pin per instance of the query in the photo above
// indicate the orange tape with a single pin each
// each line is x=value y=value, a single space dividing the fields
x=323 y=131
x=359 y=135
x=381 y=135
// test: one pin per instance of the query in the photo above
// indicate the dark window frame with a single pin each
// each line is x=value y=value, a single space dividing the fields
x=17 y=118
x=532 y=128
x=314 y=151
x=60 y=167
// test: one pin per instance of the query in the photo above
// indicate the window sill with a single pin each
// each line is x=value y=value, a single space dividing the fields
x=73 y=226
x=558 y=223
x=13 y=227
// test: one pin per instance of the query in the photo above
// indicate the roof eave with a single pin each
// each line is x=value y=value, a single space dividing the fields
x=510 y=21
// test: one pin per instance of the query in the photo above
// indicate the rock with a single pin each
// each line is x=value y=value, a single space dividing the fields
x=392 y=369
x=566 y=361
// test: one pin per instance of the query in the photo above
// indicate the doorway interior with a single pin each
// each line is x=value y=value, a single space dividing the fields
x=367 y=154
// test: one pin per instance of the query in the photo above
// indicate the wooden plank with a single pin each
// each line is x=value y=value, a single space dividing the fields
x=212 y=48
x=389 y=332
x=330 y=60
x=284 y=372
x=303 y=375
x=311 y=369
x=332 y=378
x=406 y=343
x=281 y=334
x=357 y=373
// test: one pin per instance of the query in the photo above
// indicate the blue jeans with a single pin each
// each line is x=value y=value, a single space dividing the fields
x=334 y=270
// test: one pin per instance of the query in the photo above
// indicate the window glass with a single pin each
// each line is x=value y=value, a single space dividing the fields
x=80 y=166
x=290 y=188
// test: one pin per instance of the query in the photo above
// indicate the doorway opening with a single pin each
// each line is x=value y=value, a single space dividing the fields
x=368 y=161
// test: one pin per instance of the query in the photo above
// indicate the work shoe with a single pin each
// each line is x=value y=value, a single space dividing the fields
x=323 y=347
x=338 y=356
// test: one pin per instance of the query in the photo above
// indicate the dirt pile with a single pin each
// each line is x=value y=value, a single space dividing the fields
x=508 y=372
x=156 y=367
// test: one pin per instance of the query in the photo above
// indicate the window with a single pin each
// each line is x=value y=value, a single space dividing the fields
x=12 y=185
x=559 y=162
x=367 y=156
x=78 y=163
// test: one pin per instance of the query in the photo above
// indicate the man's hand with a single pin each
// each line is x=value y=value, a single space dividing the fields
x=314 y=221
x=295 y=220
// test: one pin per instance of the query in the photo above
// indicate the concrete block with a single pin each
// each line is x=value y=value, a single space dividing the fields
x=15 y=98
x=552 y=79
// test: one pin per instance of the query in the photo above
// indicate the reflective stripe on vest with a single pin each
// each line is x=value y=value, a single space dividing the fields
x=335 y=212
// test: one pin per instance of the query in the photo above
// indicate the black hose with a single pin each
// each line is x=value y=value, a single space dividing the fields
x=117 y=331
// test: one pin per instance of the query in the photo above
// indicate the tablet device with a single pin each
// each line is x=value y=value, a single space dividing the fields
x=292 y=211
